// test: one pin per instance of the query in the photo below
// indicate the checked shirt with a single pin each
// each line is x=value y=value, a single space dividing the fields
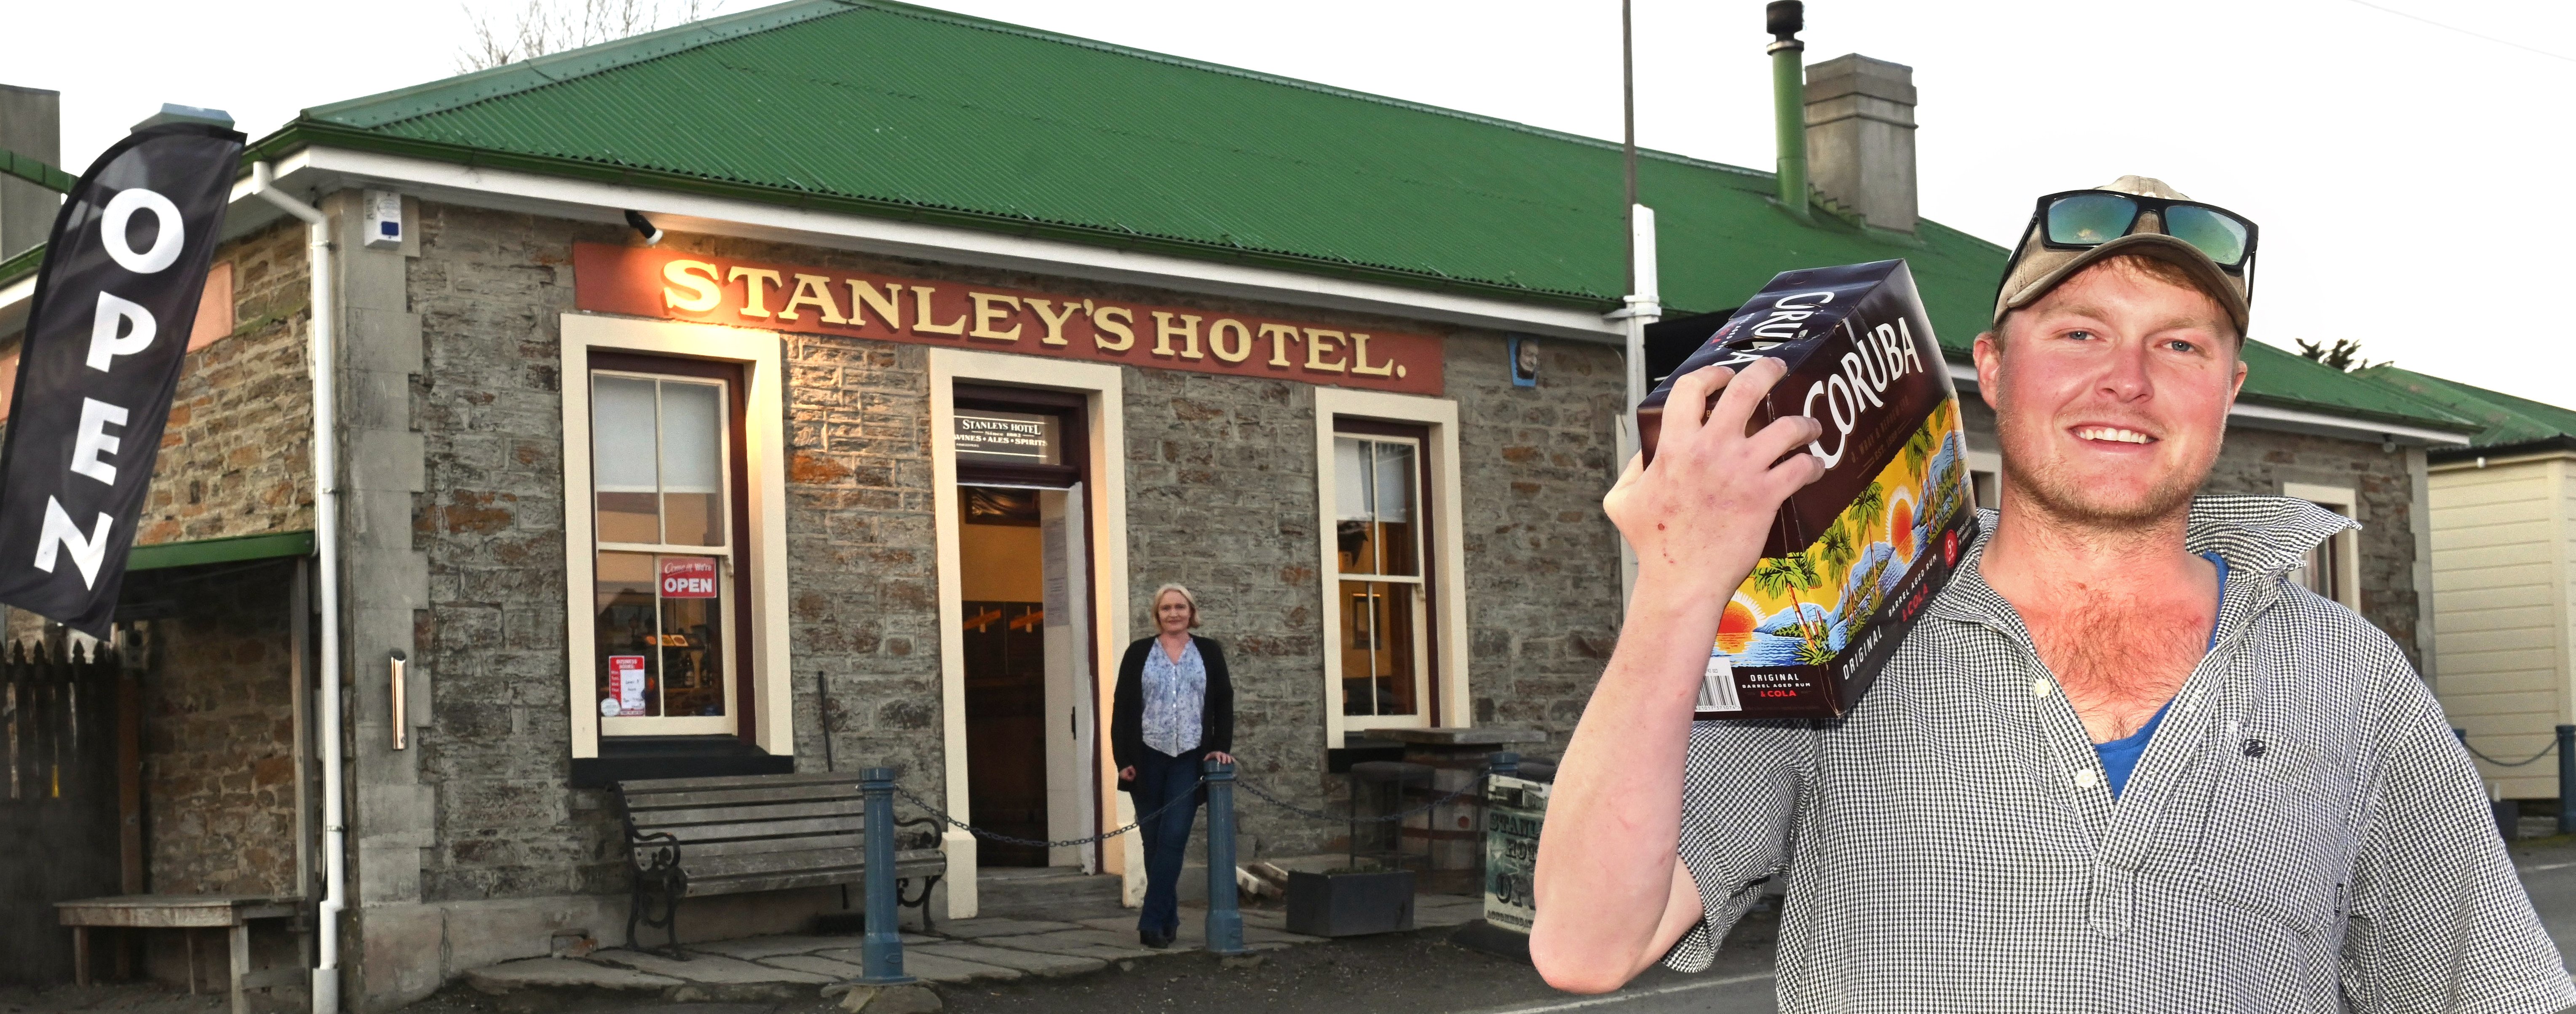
x=2303 y=833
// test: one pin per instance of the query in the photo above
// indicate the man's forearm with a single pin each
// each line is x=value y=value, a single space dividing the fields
x=1606 y=858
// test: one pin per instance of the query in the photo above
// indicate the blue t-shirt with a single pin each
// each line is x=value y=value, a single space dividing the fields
x=2120 y=756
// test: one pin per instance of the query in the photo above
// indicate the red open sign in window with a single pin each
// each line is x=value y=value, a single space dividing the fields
x=688 y=577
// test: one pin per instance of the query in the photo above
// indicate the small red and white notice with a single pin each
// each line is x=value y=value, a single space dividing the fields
x=627 y=672
x=688 y=577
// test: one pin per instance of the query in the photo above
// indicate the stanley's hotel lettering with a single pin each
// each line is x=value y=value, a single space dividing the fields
x=679 y=285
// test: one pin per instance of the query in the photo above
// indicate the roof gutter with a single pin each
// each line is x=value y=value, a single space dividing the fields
x=2550 y=445
x=326 y=546
x=542 y=187
x=310 y=134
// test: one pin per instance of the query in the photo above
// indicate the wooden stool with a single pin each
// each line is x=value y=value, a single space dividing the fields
x=186 y=913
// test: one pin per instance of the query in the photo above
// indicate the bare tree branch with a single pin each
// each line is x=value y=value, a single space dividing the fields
x=552 y=26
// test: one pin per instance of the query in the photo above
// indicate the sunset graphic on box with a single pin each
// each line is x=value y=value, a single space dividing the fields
x=1806 y=608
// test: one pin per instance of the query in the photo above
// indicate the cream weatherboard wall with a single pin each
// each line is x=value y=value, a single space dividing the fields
x=2501 y=586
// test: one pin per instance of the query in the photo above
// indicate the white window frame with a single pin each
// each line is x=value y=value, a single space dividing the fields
x=2344 y=500
x=761 y=621
x=1420 y=583
x=1449 y=680
x=726 y=607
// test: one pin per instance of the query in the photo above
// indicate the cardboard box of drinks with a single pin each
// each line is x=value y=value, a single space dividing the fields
x=1852 y=559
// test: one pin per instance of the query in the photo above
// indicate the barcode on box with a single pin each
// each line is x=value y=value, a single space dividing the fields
x=1717 y=686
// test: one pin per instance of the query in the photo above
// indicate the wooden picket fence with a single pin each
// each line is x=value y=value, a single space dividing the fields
x=48 y=700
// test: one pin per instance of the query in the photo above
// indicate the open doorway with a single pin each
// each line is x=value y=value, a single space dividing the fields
x=1025 y=619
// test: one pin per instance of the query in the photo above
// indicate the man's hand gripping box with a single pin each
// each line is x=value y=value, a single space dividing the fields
x=1853 y=559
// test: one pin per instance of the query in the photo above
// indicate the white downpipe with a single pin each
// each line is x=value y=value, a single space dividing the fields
x=326 y=544
x=1643 y=307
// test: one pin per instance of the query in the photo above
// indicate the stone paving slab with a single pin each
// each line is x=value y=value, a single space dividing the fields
x=756 y=948
x=933 y=967
x=977 y=929
x=1033 y=962
x=511 y=976
x=715 y=969
x=837 y=971
x=1081 y=942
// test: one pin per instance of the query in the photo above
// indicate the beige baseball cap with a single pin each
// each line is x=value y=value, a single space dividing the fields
x=2039 y=267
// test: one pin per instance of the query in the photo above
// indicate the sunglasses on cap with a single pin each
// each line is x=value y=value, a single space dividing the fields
x=2077 y=219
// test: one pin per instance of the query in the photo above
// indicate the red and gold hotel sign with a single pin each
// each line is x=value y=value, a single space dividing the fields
x=647 y=282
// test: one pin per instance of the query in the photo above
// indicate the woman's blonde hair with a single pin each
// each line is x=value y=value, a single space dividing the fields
x=1184 y=592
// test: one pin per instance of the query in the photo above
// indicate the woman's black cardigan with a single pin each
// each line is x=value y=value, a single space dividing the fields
x=1127 y=707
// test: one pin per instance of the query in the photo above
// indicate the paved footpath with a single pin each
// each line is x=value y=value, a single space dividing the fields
x=1090 y=963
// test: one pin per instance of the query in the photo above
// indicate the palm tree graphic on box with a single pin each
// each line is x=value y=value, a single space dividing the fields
x=1786 y=575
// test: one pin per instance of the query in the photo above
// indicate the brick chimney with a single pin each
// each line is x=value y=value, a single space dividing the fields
x=1860 y=137
x=31 y=124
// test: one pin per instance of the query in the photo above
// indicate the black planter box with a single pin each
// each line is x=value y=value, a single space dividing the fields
x=1350 y=904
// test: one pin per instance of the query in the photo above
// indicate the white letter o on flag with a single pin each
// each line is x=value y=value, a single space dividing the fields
x=165 y=246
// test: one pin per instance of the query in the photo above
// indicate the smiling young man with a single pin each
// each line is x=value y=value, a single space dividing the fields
x=2124 y=763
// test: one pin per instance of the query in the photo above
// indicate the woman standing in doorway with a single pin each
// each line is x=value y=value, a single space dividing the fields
x=1174 y=708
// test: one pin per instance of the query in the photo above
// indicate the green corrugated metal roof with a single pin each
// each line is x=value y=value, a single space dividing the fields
x=2276 y=376
x=2506 y=421
x=888 y=109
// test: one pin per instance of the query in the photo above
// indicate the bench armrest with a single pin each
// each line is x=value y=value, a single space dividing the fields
x=647 y=855
x=928 y=838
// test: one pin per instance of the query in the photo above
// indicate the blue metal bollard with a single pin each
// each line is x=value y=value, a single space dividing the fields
x=2567 y=779
x=881 y=948
x=1225 y=916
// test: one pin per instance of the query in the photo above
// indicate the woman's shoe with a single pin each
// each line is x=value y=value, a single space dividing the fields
x=1157 y=941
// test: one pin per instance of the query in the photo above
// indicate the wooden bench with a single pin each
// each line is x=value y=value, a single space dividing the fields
x=691 y=837
x=186 y=913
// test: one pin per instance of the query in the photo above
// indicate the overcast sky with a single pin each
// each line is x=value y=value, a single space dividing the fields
x=2410 y=180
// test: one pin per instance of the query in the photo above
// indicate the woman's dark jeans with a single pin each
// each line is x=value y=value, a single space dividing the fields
x=1160 y=778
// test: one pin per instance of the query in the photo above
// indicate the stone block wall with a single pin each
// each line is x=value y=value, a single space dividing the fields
x=219 y=765
x=488 y=288
x=1221 y=496
x=1543 y=598
x=234 y=460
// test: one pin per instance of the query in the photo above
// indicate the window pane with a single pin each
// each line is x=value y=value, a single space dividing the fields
x=1375 y=501
x=1393 y=496
x=621 y=459
x=628 y=679
x=692 y=464
x=1353 y=532
x=1377 y=649
x=692 y=648
x=1351 y=479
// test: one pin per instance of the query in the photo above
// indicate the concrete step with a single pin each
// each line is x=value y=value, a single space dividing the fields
x=1061 y=893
